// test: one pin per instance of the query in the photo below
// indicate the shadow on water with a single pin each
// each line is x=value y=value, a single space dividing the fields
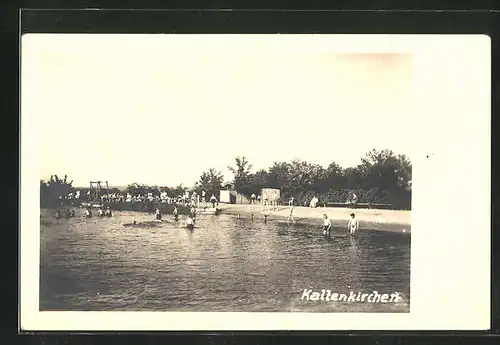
x=223 y=264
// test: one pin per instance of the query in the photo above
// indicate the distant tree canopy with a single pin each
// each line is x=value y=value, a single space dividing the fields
x=241 y=174
x=53 y=190
x=211 y=182
x=382 y=177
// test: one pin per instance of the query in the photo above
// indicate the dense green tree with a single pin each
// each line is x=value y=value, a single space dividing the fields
x=55 y=190
x=211 y=182
x=241 y=173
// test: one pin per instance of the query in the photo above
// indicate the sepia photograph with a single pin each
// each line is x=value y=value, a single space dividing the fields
x=222 y=173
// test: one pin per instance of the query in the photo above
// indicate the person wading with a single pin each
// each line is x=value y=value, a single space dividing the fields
x=327 y=225
x=213 y=200
x=353 y=224
x=290 y=216
x=158 y=214
x=176 y=213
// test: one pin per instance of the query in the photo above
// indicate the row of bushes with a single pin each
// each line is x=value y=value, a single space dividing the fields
x=401 y=200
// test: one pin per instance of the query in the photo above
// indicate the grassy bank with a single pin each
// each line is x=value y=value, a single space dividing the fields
x=381 y=220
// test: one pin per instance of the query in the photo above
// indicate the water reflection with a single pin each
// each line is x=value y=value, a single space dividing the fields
x=223 y=264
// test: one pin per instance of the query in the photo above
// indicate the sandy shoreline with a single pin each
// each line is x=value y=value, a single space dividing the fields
x=381 y=220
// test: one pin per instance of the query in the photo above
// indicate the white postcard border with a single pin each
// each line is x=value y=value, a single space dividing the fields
x=450 y=249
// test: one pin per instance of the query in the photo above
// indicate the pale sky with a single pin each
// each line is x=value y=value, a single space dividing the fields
x=162 y=109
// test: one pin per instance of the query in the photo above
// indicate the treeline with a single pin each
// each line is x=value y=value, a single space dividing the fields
x=53 y=191
x=382 y=177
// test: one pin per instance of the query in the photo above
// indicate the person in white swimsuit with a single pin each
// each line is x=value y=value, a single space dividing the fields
x=290 y=216
x=327 y=225
x=353 y=224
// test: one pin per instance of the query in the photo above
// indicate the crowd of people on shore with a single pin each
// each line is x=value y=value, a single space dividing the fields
x=270 y=200
x=187 y=199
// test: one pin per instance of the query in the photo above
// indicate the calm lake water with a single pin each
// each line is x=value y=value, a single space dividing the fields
x=225 y=264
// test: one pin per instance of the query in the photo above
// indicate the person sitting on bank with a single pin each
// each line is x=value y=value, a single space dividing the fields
x=253 y=198
x=100 y=213
x=327 y=225
x=353 y=224
x=108 y=212
x=354 y=200
x=158 y=214
x=88 y=212
x=314 y=202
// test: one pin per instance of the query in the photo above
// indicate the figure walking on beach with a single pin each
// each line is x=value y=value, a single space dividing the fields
x=327 y=225
x=353 y=224
x=290 y=202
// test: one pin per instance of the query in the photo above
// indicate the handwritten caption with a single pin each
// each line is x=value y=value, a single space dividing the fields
x=351 y=297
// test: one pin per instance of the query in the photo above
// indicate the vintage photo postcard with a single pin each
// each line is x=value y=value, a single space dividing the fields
x=255 y=182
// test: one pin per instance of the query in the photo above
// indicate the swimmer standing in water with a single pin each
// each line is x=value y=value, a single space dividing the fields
x=190 y=223
x=176 y=213
x=290 y=216
x=353 y=224
x=158 y=214
x=327 y=225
